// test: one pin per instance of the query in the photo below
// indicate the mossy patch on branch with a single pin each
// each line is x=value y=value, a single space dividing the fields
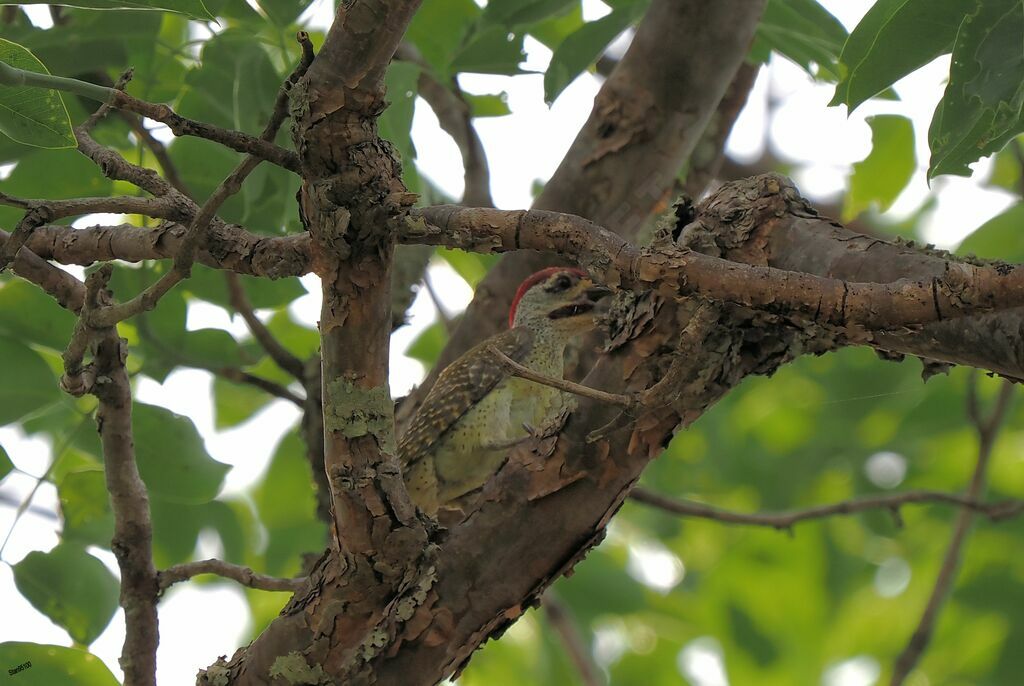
x=356 y=411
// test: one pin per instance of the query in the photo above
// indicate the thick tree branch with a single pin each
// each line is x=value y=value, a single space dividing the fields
x=243 y=575
x=891 y=502
x=988 y=430
x=963 y=288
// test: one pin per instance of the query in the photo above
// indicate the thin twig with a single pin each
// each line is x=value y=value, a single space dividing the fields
x=891 y=502
x=562 y=621
x=243 y=575
x=446 y=321
x=519 y=370
x=988 y=430
x=273 y=347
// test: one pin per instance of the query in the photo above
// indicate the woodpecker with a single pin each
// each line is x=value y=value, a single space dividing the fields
x=476 y=410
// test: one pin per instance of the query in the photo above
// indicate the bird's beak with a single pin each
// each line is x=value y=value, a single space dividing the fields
x=596 y=292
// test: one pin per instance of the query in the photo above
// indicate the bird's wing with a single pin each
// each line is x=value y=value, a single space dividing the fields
x=459 y=387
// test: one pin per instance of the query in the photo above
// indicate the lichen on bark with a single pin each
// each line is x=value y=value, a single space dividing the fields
x=355 y=411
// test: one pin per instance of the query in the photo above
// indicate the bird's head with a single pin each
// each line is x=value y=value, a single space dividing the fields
x=560 y=297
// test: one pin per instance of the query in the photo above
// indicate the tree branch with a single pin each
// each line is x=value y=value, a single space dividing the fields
x=243 y=575
x=564 y=624
x=963 y=289
x=786 y=520
x=988 y=430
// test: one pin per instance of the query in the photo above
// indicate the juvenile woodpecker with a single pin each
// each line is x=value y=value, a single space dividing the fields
x=476 y=410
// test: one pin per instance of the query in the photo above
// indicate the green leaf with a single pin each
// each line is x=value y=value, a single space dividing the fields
x=552 y=31
x=29 y=314
x=438 y=30
x=472 y=267
x=71 y=587
x=803 y=31
x=581 y=48
x=428 y=345
x=300 y=340
x=53 y=665
x=492 y=51
x=894 y=38
x=191 y=8
x=999 y=238
x=396 y=121
x=30 y=115
x=234 y=403
x=282 y=13
x=27 y=382
x=52 y=174
x=286 y=504
x=491 y=105
x=885 y=172
x=210 y=285
x=510 y=13
x=85 y=507
x=981 y=108
x=172 y=457
x=5 y=463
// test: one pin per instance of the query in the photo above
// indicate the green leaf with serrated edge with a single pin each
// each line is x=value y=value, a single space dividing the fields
x=172 y=457
x=191 y=8
x=581 y=48
x=894 y=38
x=27 y=382
x=492 y=51
x=71 y=587
x=981 y=108
x=804 y=32
x=885 y=172
x=490 y=105
x=38 y=664
x=30 y=115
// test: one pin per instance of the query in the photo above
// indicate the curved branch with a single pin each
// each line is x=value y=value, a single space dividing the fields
x=243 y=575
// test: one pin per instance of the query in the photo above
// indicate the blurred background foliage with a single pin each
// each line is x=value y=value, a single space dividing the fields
x=664 y=600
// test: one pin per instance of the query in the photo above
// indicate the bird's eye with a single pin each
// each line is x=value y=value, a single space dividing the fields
x=561 y=283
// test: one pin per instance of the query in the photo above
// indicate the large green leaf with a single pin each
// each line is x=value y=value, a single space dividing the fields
x=31 y=115
x=172 y=457
x=492 y=51
x=886 y=171
x=85 y=507
x=71 y=587
x=396 y=121
x=27 y=382
x=30 y=315
x=210 y=285
x=510 y=13
x=286 y=504
x=803 y=31
x=191 y=8
x=438 y=29
x=52 y=174
x=234 y=403
x=894 y=38
x=47 y=665
x=981 y=108
x=1000 y=238
x=581 y=48
x=428 y=345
